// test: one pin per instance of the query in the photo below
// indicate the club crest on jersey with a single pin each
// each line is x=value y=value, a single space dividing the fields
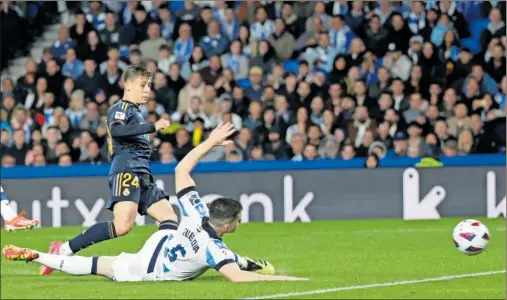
x=126 y=192
x=194 y=199
x=119 y=115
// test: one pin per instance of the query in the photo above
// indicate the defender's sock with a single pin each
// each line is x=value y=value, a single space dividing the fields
x=168 y=224
x=95 y=234
x=74 y=265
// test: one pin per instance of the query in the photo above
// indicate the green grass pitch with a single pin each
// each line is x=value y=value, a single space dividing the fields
x=332 y=254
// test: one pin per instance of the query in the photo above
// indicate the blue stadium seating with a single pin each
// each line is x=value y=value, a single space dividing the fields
x=472 y=44
x=244 y=83
x=478 y=27
x=291 y=66
x=174 y=6
x=473 y=12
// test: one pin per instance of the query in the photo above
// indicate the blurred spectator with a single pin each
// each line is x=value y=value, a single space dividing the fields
x=202 y=24
x=274 y=145
x=183 y=144
x=230 y=25
x=91 y=120
x=110 y=34
x=310 y=152
x=442 y=27
x=76 y=110
x=325 y=53
x=110 y=80
x=415 y=109
x=397 y=63
x=249 y=46
x=282 y=41
x=340 y=34
x=448 y=8
x=135 y=31
x=376 y=37
x=496 y=66
x=460 y=121
x=451 y=148
x=213 y=43
x=236 y=61
x=167 y=22
x=495 y=29
x=194 y=87
x=8 y=161
x=96 y=15
x=59 y=48
x=72 y=67
x=255 y=90
x=184 y=44
x=90 y=81
x=19 y=149
x=113 y=54
x=265 y=57
x=372 y=161
x=93 y=49
x=94 y=156
x=79 y=31
x=243 y=142
x=54 y=78
x=189 y=12
x=347 y=152
x=400 y=33
x=263 y=27
x=150 y=47
x=64 y=160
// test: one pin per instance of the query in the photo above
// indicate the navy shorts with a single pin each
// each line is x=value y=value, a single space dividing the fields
x=136 y=187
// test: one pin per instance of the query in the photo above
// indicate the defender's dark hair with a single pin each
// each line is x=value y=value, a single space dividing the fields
x=134 y=71
x=224 y=210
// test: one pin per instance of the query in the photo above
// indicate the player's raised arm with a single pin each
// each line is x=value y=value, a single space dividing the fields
x=235 y=274
x=216 y=138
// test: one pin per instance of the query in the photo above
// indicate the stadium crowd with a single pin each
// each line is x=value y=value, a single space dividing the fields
x=299 y=80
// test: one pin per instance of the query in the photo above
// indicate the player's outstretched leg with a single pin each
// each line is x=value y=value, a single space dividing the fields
x=124 y=218
x=12 y=220
x=74 y=265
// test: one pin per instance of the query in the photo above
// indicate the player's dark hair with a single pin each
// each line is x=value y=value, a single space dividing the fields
x=223 y=210
x=135 y=71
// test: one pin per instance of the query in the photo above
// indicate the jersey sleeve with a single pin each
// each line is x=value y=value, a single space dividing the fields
x=190 y=203
x=118 y=115
x=218 y=255
x=121 y=123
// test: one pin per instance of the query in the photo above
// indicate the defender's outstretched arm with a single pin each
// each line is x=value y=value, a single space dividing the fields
x=216 y=138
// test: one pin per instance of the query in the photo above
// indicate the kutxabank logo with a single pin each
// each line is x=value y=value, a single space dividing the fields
x=415 y=208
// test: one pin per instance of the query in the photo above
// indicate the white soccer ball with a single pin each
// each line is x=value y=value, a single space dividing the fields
x=471 y=237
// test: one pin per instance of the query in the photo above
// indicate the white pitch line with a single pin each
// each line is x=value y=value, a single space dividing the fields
x=375 y=285
x=400 y=230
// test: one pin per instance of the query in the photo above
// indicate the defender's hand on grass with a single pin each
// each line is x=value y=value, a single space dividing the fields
x=259 y=266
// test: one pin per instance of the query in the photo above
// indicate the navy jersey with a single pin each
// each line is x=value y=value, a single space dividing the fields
x=128 y=141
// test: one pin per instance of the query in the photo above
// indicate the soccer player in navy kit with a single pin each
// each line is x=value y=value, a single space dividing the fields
x=133 y=189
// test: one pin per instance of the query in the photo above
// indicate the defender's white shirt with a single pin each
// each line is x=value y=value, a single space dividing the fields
x=195 y=246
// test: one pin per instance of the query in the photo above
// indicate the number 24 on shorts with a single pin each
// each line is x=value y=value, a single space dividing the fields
x=172 y=254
